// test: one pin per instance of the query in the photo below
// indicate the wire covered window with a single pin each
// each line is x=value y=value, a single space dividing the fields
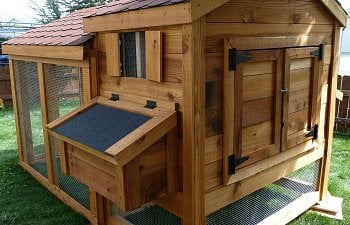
x=133 y=54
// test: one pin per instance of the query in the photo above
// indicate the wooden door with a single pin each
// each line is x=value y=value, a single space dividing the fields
x=252 y=107
x=303 y=67
x=271 y=103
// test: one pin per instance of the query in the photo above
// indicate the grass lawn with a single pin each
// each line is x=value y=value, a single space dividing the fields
x=24 y=201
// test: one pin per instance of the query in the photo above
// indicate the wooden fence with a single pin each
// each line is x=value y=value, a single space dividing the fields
x=5 y=85
x=342 y=117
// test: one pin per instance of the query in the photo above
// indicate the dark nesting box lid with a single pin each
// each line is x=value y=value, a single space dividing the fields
x=99 y=127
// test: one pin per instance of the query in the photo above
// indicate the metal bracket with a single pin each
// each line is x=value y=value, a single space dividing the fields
x=313 y=133
x=318 y=52
x=234 y=162
x=236 y=59
x=151 y=104
x=114 y=97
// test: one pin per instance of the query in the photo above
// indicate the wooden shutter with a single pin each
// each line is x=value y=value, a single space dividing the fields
x=154 y=55
x=302 y=101
x=112 y=54
x=252 y=107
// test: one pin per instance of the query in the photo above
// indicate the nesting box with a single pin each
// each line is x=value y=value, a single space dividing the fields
x=193 y=106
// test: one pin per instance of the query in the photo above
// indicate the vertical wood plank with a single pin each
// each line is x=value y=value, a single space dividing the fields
x=132 y=184
x=278 y=100
x=112 y=54
x=120 y=186
x=193 y=122
x=286 y=85
x=94 y=86
x=16 y=112
x=324 y=177
x=172 y=161
x=63 y=156
x=45 y=120
x=154 y=57
x=86 y=85
x=228 y=120
x=238 y=96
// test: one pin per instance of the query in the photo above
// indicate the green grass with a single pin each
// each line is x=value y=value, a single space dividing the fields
x=25 y=201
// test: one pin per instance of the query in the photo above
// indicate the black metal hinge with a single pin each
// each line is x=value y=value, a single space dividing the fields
x=319 y=52
x=151 y=104
x=236 y=59
x=114 y=97
x=234 y=162
x=313 y=133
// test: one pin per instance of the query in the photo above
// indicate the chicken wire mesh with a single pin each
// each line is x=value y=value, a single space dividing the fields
x=31 y=125
x=249 y=210
x=64 y=93
x=133 y=54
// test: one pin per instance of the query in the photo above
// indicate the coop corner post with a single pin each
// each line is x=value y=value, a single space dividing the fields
x=16 y=112
x=324 y=176
x=194 y=123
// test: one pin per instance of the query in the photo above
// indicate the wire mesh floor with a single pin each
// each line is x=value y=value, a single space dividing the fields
x=249 y=210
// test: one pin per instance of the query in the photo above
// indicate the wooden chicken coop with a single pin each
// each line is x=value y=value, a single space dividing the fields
x=183 y=112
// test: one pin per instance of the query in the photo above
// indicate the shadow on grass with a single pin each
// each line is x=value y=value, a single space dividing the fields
x=25 y=201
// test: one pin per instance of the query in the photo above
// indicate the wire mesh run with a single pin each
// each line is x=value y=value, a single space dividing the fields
x=31 y=125
x=250 y=210
x=263 y=203
x=64 y=93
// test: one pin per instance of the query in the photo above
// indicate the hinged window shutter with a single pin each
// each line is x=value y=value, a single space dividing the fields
x=112 y=54
x=154 y=56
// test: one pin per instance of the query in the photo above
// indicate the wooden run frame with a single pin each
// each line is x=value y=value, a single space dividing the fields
x=51 y=182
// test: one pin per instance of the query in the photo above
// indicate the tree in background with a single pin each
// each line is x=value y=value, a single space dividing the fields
x=55 y=9
x=73 y=5
x=50 y=11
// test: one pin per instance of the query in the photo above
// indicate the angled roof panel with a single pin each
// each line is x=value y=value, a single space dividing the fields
x=67 y=31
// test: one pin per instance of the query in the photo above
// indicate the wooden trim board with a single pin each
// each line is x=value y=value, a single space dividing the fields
x=55 y=52
x=151 y=17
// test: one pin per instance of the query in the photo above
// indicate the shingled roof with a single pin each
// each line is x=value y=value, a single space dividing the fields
x=69 y=31
x=128 y=5
x=65 y=31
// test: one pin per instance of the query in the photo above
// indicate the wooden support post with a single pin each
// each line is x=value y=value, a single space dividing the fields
x=193 y=123
x=16 y=112
x=172 y=161
x=94 y=85
x=49 y=155
x=324 y=176
x=86 y=84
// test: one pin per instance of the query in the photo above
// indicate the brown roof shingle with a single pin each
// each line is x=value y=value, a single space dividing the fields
x=67 y=31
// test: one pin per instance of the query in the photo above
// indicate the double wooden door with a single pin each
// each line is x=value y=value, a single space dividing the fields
x=271 y=102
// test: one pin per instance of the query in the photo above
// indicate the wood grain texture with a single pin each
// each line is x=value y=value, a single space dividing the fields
x=154 y=55
x=112 y=54
x=193 y=121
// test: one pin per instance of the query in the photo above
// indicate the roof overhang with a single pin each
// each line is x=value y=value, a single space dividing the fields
x=177 y=14
x=54 y=52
